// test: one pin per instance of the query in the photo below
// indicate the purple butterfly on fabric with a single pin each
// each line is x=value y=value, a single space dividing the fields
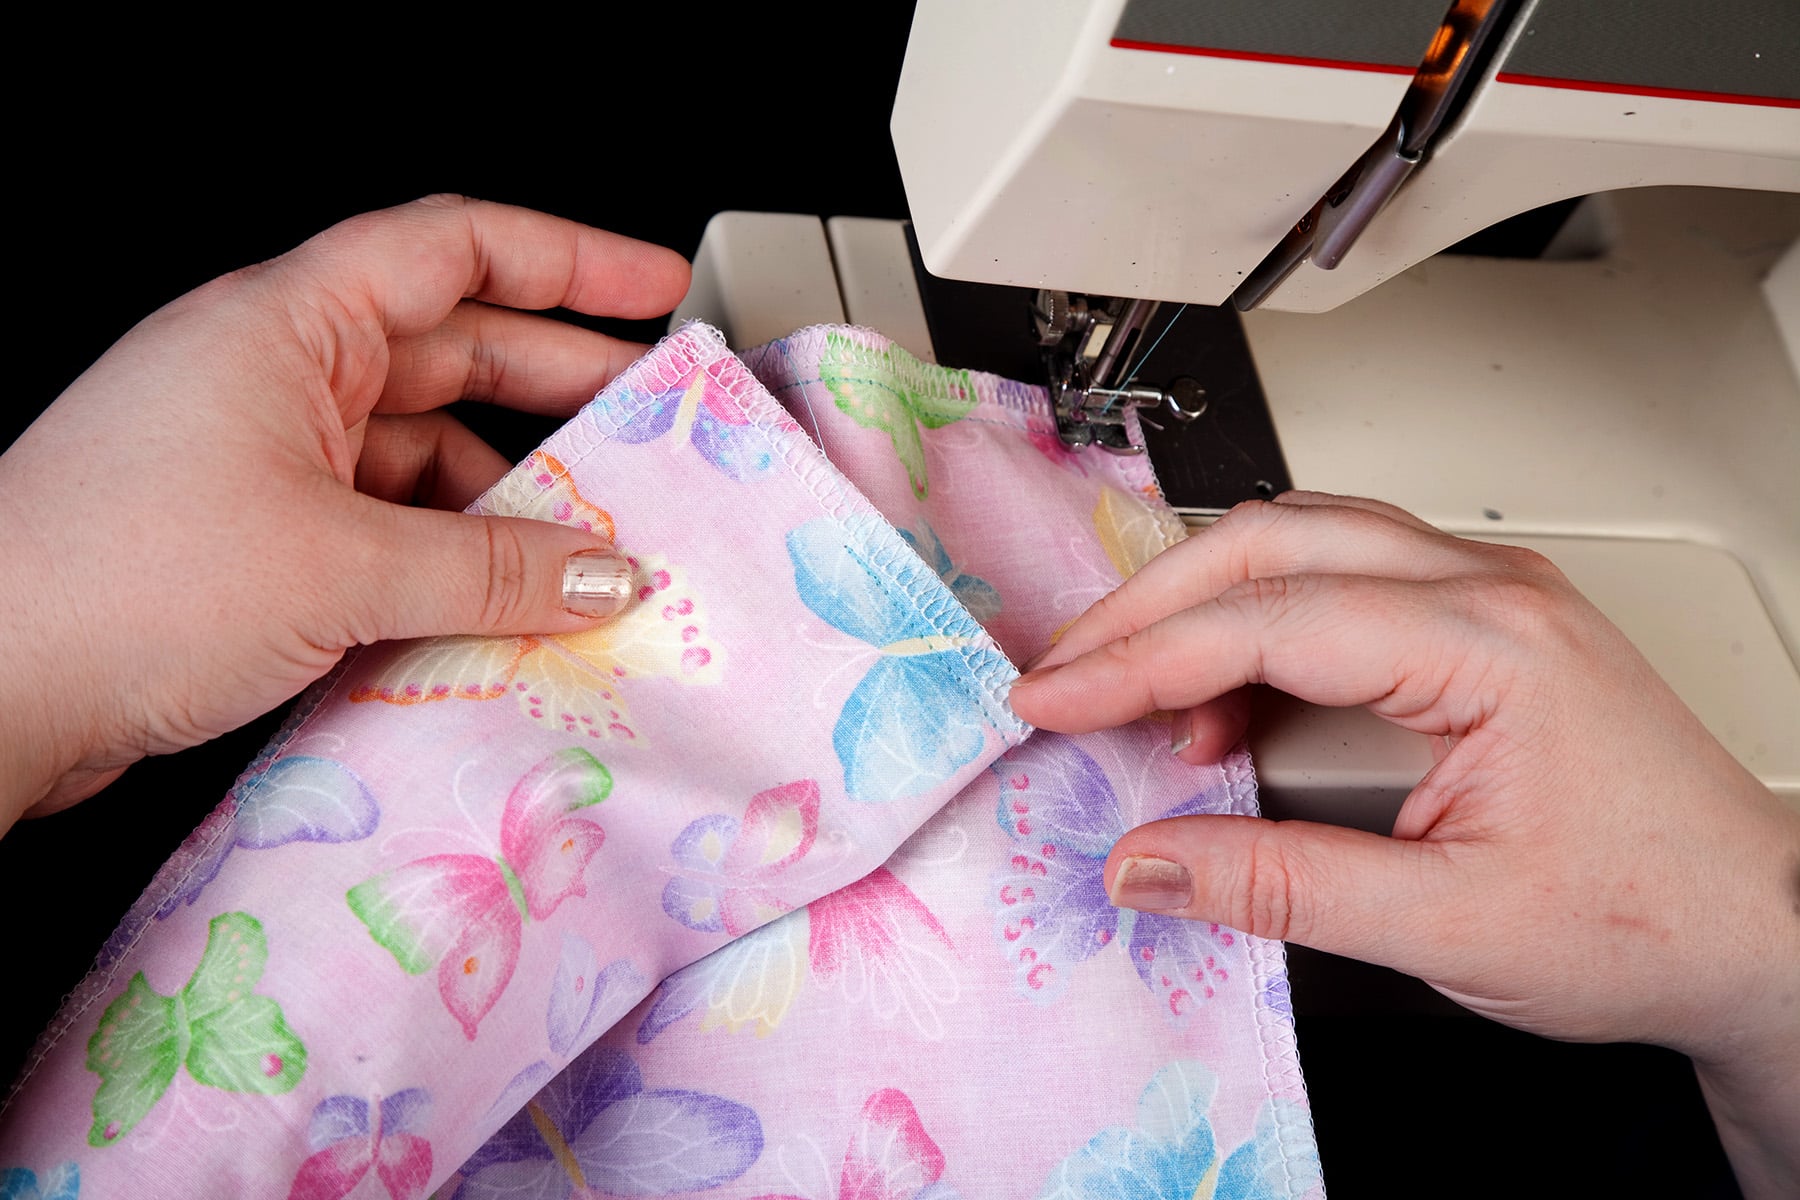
x=586 y=999
x=300 y=798
x=1063 y=814
x=596 y=1131
x=699 y=410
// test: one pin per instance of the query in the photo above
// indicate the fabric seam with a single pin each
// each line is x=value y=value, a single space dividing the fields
x=701 y=347
x=99 y=978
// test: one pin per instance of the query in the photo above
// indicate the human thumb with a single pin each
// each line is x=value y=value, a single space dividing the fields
x=1340 y=890
x=421 y=572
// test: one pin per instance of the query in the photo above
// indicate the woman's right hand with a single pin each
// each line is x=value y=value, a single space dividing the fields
x=1585 y=861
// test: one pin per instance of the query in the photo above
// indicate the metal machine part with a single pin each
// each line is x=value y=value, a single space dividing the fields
x=1671 y=502
x=1452 y=68
x=1091 y=346
x=1159 y=149
x=1196 y=396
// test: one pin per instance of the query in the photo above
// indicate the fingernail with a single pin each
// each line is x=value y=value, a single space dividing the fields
x=1152 y=884
x=1181 y=733
x=596 y=583
x=1040 y=656
x=1035 y=676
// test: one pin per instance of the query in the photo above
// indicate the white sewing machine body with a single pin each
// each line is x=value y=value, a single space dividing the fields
x=1633 y=412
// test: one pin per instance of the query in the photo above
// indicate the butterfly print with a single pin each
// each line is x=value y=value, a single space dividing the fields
x=916 y=717
x=890 y=1156
x=873 y=940
x=349 y=1135
x=465 y=914
x=61 y=1182
x=300 y=798
x=1172 y=1153
x=595 y=1130
x=224 y=1034
x=1062 y=814
x=727 y=868
x=1130 y=531
x=977 y=594
x=574 y=683
x=542 y=489
x=586 y=999
x=699 y=411
x=890 y=390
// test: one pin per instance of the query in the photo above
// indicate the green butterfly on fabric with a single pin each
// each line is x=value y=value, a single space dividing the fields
x=226 y=1037
x=890 y=390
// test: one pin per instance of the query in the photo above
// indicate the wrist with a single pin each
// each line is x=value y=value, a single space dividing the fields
x=29 y=765
x=43 y=702
x=1749 y=1069
x=1755 y=1105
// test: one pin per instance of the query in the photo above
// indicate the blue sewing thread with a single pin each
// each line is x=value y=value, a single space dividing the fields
x=1144 y=357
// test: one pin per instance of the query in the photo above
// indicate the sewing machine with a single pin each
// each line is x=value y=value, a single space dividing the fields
x=1625 y=403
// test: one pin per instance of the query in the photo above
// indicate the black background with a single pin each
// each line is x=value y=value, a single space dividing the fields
x=147 y=160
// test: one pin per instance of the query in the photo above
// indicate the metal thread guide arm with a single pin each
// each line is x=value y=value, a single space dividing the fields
x=1086 y=343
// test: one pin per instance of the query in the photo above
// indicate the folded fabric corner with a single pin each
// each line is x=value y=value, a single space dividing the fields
x=760 y=890
x=393 y=907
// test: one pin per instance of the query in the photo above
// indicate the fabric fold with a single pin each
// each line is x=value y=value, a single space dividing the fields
x=423 y=885
x=973 y=1017
x=759 y=891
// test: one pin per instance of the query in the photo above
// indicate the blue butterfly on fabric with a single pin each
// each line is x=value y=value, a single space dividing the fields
x=58 y=1183
x=1172 y=1154
x=977 y=594
x=919 y=714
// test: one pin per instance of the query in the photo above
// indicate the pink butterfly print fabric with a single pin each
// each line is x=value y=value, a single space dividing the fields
x=981 y=975
x=887 y=966
x=462 y=860
x=1025 y=531
x=974 y=1018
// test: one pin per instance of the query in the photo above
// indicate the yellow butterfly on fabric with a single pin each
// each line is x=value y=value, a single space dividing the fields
x=1131 y=532
x=573 y=683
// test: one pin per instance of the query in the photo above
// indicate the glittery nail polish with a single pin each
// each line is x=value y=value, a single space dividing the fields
x=596 y=583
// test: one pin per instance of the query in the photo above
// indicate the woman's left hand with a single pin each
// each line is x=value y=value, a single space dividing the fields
x=206 y=520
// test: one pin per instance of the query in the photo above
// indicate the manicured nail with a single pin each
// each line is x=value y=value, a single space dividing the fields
x=1152 y=884
x=596 y=583
x=1181 y=733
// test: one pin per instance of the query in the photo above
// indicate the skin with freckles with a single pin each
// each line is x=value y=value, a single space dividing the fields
x=1584 y=861
x=212 y=514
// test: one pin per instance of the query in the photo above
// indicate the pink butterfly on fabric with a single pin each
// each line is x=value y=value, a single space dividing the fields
x=465 y=913
x=727 y=869
x=349 y=1135
x=890 y=1156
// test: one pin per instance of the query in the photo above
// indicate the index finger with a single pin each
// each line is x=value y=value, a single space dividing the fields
x=406 y=268
x=1301 y=534
x=1331 y=639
